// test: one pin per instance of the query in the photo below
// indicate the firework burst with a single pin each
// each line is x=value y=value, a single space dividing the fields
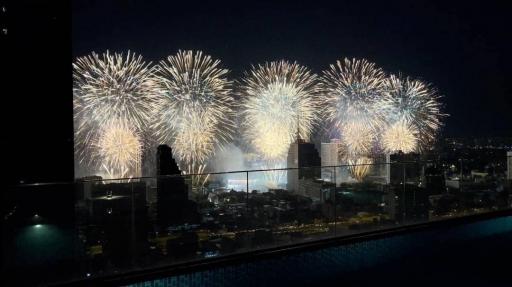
x=196 y=107
x=413 y=110
x=358 y=138
x=113 y=86
x=110 y=88
x=351 y=93
x=352 y=90
x=119 y=149
x=400 y=136
x=278 y=100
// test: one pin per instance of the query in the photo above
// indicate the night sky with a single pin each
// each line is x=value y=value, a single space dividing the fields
x=463 y=49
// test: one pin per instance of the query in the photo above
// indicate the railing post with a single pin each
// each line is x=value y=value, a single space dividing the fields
x=247 y=197
x=404 y=201
x=132 y=245
x=334 y=201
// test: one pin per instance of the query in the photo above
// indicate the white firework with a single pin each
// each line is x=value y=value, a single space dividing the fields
x=196 y=108
x=415 y=103
x=352 y=90
x=400 y=136
x=351 y=94
x=358 y=137
x=359 y=166
x=114 y=86
x=119 y=150
x=107 y=88
x=279 y=100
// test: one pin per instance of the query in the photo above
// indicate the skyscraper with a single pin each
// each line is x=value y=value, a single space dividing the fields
x=331 y=156
x=404 y=167
x=303 y=158
x=118 y=215
x=172 y=195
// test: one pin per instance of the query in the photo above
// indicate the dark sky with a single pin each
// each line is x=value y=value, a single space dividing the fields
x=461 y=48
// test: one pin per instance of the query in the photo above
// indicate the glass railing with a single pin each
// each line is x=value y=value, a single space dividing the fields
x=93 y=228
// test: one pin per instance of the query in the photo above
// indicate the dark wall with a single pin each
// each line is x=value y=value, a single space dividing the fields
x=37 y=107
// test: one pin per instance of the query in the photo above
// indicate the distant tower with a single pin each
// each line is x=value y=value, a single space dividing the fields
x=166 y=164
x=172 y=195
x=404 y=167
x=302 y=155
x=434 y=179
x=331 y=156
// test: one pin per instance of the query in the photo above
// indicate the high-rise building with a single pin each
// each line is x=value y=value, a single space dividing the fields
x=405 y=199
x=407 y=203
x=118 y=220
x=304 y=160
x=166 y=165
x=434 y=179
x=331 y=160
x=173 y=206
x=404 y=168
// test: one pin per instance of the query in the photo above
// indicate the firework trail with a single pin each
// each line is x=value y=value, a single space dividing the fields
x=413 y=114
x=359 y=166
x=195 y=113
x=278 y=101
x=110 y=88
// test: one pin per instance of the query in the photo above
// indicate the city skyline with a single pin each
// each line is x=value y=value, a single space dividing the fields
x=459 y=48
x=169 y=143
x=123 y=106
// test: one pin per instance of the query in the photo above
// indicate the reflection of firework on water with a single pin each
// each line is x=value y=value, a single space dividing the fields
x=196 y=108
x=119 y=150
x=359 y=166
x=278 y=99
x=106 y=88
x=415 y=103
x=400 y=136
